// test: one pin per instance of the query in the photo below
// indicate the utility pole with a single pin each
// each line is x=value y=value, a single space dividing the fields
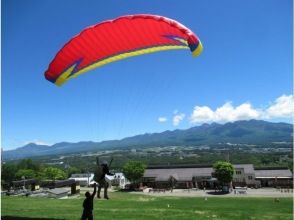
x=24 y=182
x=228 y=156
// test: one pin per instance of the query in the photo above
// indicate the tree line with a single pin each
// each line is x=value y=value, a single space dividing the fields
x=29 y=169
x=133 y=171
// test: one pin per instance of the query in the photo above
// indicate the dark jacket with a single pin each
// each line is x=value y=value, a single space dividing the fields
x=88 y=202
x=105 y=170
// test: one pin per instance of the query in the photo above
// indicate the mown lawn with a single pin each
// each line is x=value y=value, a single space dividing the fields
x=130 y=206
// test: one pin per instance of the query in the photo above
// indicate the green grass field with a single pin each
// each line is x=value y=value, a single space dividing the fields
x=130 y=206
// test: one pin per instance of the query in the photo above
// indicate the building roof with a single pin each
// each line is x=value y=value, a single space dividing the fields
x=180 y=174
x=171 y=166
x=187 y=172
x=58 y=191
x=273 y=173
x=82 y=177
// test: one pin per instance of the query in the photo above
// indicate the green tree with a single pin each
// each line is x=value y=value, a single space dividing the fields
x=134 y=171
x=27 y=173
x=52 y=173
x=8 y=172
x=28 y=164
x=72 y=170
x=223 y=171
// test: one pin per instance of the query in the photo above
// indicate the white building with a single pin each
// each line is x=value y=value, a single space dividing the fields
x=244 y=175
x=118 y=180
x=85 y=179
x=202 y=176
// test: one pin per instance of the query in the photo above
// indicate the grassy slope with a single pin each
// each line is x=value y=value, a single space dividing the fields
x=127 y=206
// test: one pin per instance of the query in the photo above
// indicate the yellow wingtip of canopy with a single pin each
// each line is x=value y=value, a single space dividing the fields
x=198 y=50
x=64 y=76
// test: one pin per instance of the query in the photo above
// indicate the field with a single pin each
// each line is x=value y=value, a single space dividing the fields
x=131 y=206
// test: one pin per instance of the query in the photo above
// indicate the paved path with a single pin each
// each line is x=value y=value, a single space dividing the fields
x=263 y=192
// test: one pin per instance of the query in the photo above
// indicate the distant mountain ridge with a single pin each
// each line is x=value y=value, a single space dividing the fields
x=249 y=132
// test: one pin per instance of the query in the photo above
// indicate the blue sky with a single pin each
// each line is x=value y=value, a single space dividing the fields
x=244 y=72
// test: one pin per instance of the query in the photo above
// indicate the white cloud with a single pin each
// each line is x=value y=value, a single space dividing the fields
x=283 y=107
x=225 y=113
x=178 y=118
x=162 y=119
x=202 y=114
x=242 y=112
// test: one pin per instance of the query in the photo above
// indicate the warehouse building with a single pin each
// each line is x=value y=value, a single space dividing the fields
x=274 y=177
x=202 y=176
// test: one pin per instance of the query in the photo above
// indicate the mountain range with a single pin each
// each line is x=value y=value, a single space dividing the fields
x=246 y=132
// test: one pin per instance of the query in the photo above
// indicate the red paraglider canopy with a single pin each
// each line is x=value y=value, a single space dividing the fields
x=117 y=39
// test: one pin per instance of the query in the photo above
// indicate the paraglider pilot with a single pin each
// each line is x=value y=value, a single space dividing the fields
x=102 y=170
x=88 y=205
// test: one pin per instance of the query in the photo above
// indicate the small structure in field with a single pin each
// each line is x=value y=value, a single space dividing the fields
x=58 y=193
x=85 y=179
x=30 y=184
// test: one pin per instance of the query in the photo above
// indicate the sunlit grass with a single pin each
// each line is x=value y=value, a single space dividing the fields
x=130 y=206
